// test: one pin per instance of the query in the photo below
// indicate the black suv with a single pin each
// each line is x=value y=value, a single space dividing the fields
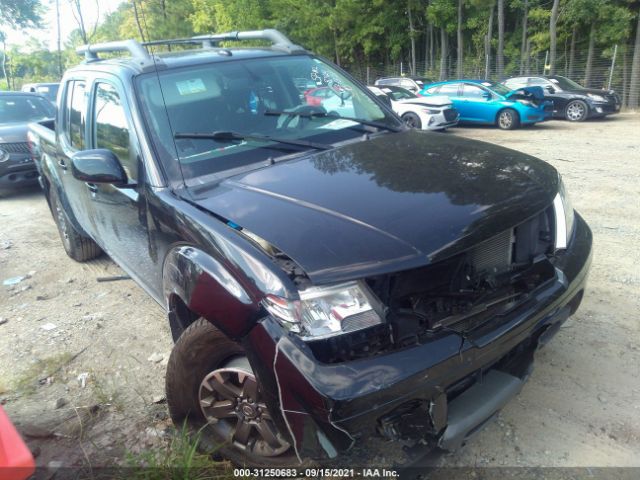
x=328 y=273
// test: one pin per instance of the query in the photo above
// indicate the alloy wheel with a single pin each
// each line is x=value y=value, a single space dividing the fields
x=411 y=121
x=506 y=119
x=575 y=111
x=230 y=400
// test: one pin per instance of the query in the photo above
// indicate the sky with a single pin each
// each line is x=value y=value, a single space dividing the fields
x=91 y=9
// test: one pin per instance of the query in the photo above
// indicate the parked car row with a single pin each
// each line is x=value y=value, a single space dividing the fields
x=17 y=110
x=516 y=101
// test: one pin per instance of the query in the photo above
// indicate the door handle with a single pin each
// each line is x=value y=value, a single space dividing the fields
x=62 y=164
x=93 y=188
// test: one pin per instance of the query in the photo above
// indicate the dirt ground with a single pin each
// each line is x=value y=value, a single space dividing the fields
x=82 y=362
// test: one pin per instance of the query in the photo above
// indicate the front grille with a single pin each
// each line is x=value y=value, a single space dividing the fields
x=495 y=254
x=19 y=147
x=360 y=321
x=613 y=98
x=450 y=114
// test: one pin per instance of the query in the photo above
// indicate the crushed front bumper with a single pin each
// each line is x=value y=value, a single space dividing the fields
x=19 y=171
x=449 y=387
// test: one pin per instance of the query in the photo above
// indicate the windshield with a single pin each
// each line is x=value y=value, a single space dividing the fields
x=22 y=109
x=498 y=88
x=421 y=81
x=398 y=93
x=251 y=98
x=49 y=91
x=566 y=84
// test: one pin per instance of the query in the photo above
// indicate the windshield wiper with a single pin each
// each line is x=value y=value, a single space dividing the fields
x=225 y=136
x=369 y=123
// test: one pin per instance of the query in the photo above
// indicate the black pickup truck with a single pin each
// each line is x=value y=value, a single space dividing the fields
x=328 y=273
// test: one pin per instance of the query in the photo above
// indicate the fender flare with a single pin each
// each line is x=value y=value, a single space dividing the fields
x=207 y=289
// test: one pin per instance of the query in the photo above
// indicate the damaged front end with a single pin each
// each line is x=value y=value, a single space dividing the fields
x=427 y=356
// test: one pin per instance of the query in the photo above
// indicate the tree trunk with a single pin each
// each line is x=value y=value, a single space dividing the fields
x=500 y=53
x=58 y=39
x=137 y=18
x=460 y=68
x=487 y=42
x=625 y=76
x=572 y=52
x=527 y=66
x=412 y=37
x=4 y=65
x=634 y=83
x=77 y=14
x=553 y=37
x=588 y=67
x=444 y=53
x=335 y=46
x=431 y=47
x=523 y=43
x=426 y=46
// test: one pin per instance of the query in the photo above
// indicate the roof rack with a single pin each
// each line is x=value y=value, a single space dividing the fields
x=133 y=47
x=138 y=51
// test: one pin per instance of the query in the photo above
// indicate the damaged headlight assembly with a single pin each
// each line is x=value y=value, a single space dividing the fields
x=325 y=312
x=565 y=216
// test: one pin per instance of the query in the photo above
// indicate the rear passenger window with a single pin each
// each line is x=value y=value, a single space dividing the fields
x=74 y=114
x=473 y=91
x=111 y=128
x=449 y=89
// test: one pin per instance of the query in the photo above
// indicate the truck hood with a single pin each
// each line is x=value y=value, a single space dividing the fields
x=13 y=132
x=395 y=202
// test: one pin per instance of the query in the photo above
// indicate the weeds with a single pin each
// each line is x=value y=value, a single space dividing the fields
x=179 y=460
x=41 y=370
x=107 y=394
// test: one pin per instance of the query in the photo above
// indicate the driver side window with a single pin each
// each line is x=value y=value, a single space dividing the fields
x=111 y=130
x=474 y=92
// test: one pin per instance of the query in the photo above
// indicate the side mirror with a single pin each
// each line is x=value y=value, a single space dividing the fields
x=98 y=166
x=486 y=95
x=550 y=89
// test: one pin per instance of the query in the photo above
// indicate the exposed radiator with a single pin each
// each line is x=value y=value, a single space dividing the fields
x=494 y=254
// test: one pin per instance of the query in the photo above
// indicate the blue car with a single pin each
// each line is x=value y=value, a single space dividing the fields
x=485 y=102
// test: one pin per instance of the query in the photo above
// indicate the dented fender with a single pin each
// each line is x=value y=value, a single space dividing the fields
x=209 y=290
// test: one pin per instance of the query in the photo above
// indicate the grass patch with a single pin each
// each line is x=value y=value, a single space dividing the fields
x=107 y=394
x=29 y=380
x=179 y=460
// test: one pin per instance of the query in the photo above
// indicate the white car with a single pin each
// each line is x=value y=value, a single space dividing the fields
x=426 y=113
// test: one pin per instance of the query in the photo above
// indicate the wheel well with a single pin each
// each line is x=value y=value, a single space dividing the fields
x=180 y=316
x=507 y=108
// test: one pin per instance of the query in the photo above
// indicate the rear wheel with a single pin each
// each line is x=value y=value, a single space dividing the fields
x=78 y=246
x=577 y=111
x=508 y=119
x=412 y=120
x=211 y=386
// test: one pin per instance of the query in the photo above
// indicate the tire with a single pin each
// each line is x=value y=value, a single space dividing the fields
x=576 y=111
x=201 y=353
x=78 y=246
x=412 y=120
x=508 y=119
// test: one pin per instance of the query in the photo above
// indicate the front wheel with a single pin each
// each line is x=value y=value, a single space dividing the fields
x=508 y=119
x=577 y=111
x=412 y=120
x=211 y=386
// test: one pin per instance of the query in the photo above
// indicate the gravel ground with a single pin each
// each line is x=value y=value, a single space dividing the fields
x=82 y=362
